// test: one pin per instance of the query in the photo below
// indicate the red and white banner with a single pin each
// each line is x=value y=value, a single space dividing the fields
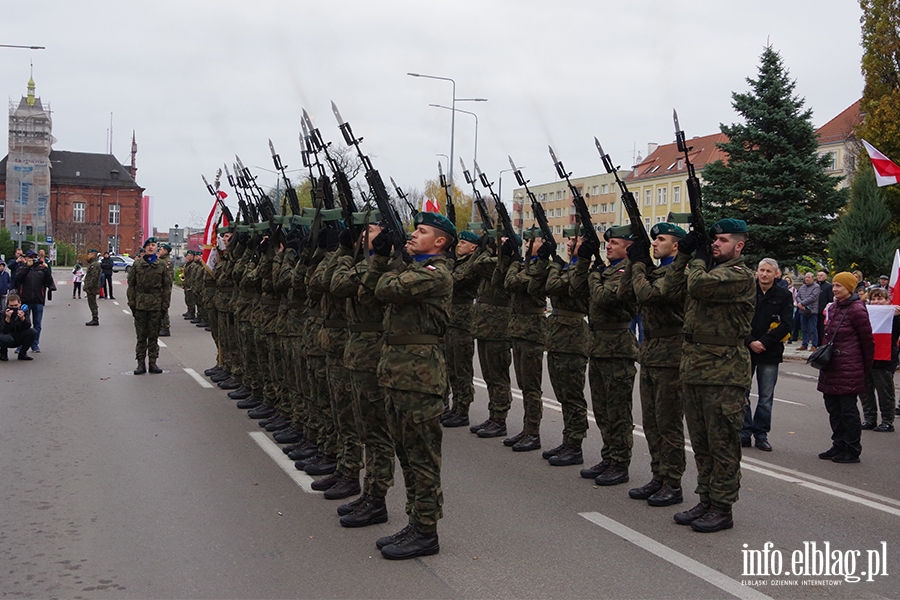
x=432 y=205
x=216 y=217
x=886 y=171
x=881 y=317
x=895 y=279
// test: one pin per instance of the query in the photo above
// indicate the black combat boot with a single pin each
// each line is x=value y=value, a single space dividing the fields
x=689 y=516
x=480 y=426
x=345 y=487
x=141 y=369
x=714 y=519
x=240 y=394
x=320 y=485
x=614 y=475
x=249 y=402
x=646 y=490
x=390 y=539
x=349 y=507
x=212 y=371
x=164 y=333
x=229 y=384
x=528 y=443
x=569 y=455
x=325 y=466
x=263 y=411
x=494 y=428
x=288 y=436
x=666 y=496
x=512 y=441
x=303 y=451
x=370 y=511
x=412 y=545
x=456 y=421
x=92 y=323
x=153 y=368
x=595 y=471
x=546 y=454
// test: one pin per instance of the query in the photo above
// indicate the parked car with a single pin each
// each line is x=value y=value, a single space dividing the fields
x=122 y=263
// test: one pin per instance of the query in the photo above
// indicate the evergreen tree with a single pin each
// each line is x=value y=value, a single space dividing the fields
x=774 y=178
x=862 y=240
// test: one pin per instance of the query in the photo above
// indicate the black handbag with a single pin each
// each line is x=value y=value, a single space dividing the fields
x=822 y=355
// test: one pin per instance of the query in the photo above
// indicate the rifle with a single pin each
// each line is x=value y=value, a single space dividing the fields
x=290 y=192
x=263 y=202
x=486 y=222
x=539 y=215
x=409 y=205
x=242 y=204
x=634 y=213
x=215 y=193
x=581 y=208
x=693 y=184
x=448 y=194
x=502 y=213
x=345 y=193
x=390 y=221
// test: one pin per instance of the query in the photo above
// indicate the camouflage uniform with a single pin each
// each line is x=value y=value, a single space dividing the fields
x=262 y=317
x=525 y=283
x=364 y=346
x=289 y=324
x=413 y=372
x=320 y=396
x=149 y=290
x=242 y=300
x=460 y=343
x=613 y=352
x=190 y=298
x=662 y=404
x=225 y=310
x=92 y=285
x=715 y=371
x=170 y=269
x=568 y=348
x=490 y=328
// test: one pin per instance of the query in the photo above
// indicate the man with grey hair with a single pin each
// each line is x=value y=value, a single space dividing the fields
x=770 y=327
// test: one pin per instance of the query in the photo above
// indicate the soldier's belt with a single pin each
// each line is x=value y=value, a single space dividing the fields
x=714 y=340
x=404 y=340
x=534 y=310
x=610 y=326
x=364 y=327
x=315 y=312
x=492 y=303
x=270 y=301
x=561 y=312
x=210 y=284
x=335 y=324
x=663 y=333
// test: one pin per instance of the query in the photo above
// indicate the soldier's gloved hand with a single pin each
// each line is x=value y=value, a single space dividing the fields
x=322 y=240
x=483 y=241
x=689 y=243
x=332 y=239
x=509 y=247
x=405 y=256
x=638 y=252
x=545 y=251
x=703 y=253
x=346 y=239
x=293 y=244
x=587 y=250
x=559 y=260
x=244 y=238
x=381 y=244
x=264 y=245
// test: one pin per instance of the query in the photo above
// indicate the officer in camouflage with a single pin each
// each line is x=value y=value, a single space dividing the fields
x=660 y=297
x=92 y=285
x=413 y=370
x=165 y=255
x=715 y=366
x=149 y=290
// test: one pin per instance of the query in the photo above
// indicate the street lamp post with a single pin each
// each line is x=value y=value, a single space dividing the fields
x=500 y=183
x=468 y=113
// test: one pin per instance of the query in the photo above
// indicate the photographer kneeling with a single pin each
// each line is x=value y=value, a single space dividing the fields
x=15 y=328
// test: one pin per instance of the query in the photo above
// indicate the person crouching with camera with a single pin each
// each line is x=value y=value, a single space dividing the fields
x=15 y=329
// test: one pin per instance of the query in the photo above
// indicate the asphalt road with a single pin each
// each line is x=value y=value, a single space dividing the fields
x=117 y=486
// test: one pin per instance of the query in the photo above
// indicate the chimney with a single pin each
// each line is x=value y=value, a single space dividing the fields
x=651 y=147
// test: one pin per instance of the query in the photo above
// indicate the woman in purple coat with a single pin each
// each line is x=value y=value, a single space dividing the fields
x=853 y=352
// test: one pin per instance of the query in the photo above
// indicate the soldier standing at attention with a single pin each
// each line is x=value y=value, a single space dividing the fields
x=715 y=367
x=189 y=299
x=413 y=371
x=149 y=290
x=92 y=285
x=660 y=294
x=165 y=255
x=613 y=352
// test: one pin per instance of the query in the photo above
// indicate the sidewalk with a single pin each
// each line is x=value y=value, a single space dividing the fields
x=793 y=352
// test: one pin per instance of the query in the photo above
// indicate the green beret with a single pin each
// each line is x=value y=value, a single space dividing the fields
x=166 y=246
x=94 y=250
x=149 y=240
x=223 y=229
x=531 y=233
x=622 y=232
x=728 y=226
x=667 y=229
x=436 y=220
x=469 y=236
x=244 y=228
x=572 y=231
x=366 y=217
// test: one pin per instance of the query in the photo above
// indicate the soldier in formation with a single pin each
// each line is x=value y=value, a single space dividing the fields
x=92 y=285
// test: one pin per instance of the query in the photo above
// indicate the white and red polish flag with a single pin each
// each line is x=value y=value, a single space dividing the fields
x=216 y=217
x=432 y=205
x=881 y=317
x=895 y=279
x=886 y=171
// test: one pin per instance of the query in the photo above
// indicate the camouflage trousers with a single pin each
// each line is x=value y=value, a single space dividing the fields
x=417 y=440
x=528 y=361
x=662 y=416
x=494 y=357
x=165 y=323
x=212 y=319
x=612 y=383
x=265 y=352
x=252 y=377
x=278 y=373
x=299 y=395
x=460 y=352
x=567 y=372
x=376 y=433
x=347 y=420
x=92 y=304
x=715 y=414
x=320 y=403
x=229 y=345
x=146 y=328
x=190 y=299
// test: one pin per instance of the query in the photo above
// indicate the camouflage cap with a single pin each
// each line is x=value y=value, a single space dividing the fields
x=622 y=232
x=149 y=240
x=436 y=220
x=728 y=226
x=667 y=229
x=469 y=236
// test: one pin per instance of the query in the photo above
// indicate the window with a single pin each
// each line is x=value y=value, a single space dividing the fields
x=595 y=190
x=2 y=210
x=648 y=197
x=603 y=246
x=603 y=208
x=543 y=197
x=676 y=194
x=605 y=188
x=612 y=207
x=558 y=229
x=559 y=195
x=78 y=212
x=660 y=219
x=114 y=214
x=647 y=224
x=78 y=239
x=832 y=161
x=571 y=210
x=661 y=196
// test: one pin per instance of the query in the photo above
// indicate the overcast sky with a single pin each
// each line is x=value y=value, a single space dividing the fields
x=201 y=81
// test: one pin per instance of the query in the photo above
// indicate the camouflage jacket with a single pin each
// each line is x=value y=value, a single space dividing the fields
x=170 y=273
x=149 y=285
x=418 y=304
x=265 y=309
x=465 y=289
x=281 y=281
x=244 y=296
x=567 y=327
x=334 y=334
x=364 y=311
x=314 y=295
x=528 y=301
x=224 y=284
x=717 y=315
x=92 y=277
x=663 y=314
x=491 y=312
x=610 y=315
x=186 y=271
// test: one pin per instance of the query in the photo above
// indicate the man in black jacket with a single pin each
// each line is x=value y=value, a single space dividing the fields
x=15 y=329
x=826 y=297
x=33 y=279
x=771 y=325
x=106 y=269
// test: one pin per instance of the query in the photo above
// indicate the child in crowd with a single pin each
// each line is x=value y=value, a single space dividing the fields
x=77 y=278
x=880 y=379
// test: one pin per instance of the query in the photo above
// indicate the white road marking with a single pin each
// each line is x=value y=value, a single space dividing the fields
x=802 y=375
x=785 y=401
x=281 y=459
x=127 y=312
x=116 y=302
x=198 y=378
x=698 y=569
x=161 y=344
